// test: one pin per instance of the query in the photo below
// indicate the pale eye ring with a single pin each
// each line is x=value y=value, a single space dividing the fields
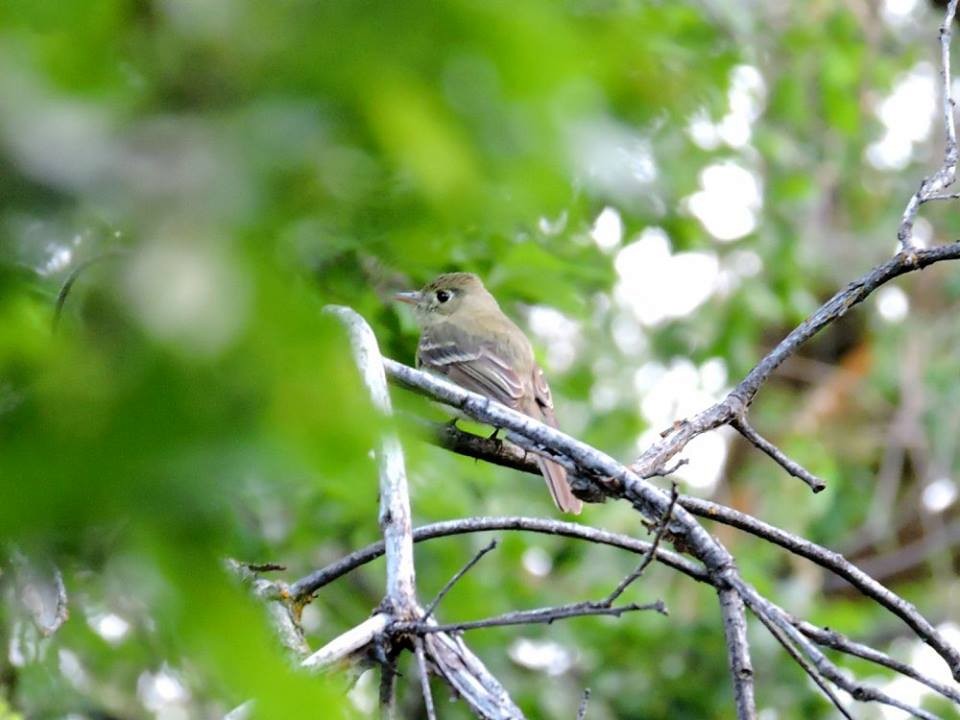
x=443 y=296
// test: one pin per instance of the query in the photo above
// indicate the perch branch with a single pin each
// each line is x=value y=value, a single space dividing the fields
x=615 y=478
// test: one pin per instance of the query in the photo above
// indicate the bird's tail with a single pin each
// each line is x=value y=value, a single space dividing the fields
x=556 y=477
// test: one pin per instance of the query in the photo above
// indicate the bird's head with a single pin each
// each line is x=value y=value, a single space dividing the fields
x=451 y=294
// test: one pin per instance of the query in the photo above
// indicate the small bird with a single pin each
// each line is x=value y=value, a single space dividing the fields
x=466 y=337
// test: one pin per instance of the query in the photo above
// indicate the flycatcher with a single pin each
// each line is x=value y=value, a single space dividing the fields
x=466 y=337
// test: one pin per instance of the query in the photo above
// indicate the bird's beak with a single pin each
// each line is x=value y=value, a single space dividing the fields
x=410 y=298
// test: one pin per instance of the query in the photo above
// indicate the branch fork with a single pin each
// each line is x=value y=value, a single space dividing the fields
x=440 y=649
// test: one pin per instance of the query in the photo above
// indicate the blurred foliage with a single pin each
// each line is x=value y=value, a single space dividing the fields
x=228 y=167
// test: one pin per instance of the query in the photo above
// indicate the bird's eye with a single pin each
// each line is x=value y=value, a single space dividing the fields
x=443 y=296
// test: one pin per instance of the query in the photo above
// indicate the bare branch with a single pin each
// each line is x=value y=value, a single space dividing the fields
x=482 y=692
x=388 y=686
x=651 y=553
x=837 y=306
x=424 y=678
x=540 y=616
x=584 y=701
x=828 y=638
x=834 y=562
x=304 y=588
x=837 y=641
x=823 y=557
x=394 y=498
x=770 y=613
x=42 y=594
x=932 y=186
x=618 y=481
x=792 y=467
x=276 y=596
x=798 y=658
x=350 y=642
x=738 y=651
x=453 y=581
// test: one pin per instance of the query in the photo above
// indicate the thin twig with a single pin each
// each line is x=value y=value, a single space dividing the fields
x=763 y=608
x=932 y=186
x=456 y=578
x=651 y=553
x=833 y=561
x=424 y=678
x=540 y=616
x=837 y=306
x=792 y=467
x=809 y=669
x=584 y=701
x=837 y=641
x=671 y=469
x=266 y=567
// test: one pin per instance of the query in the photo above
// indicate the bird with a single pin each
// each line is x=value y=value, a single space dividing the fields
x=467 y=338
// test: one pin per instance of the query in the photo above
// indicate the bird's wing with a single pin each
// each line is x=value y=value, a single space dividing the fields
x=543 y=396
x=472 y=365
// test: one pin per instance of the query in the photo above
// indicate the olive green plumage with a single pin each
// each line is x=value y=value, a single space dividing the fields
x=466 y=337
